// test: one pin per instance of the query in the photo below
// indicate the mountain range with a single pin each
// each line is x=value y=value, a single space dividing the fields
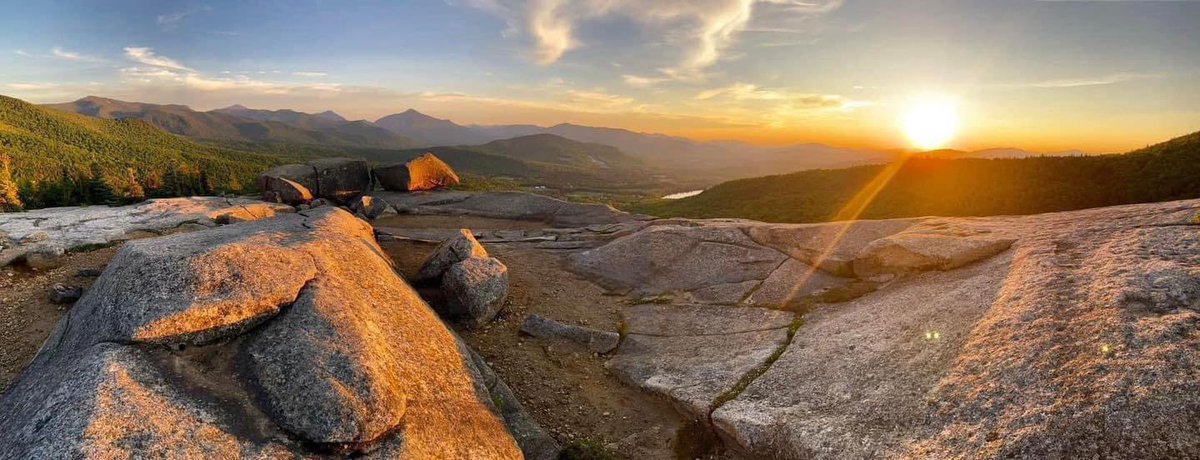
x=242 y=124
x=695 y=162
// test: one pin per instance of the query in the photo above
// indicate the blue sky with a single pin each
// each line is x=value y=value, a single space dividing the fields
x=1048 y=75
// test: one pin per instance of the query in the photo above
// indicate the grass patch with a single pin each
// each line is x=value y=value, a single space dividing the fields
x=587 y=449
x=757 y=372
x=92 y=247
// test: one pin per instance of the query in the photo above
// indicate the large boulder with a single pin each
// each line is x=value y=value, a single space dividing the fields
x=284 y=338
x=341 y=179
x=475 y=290
x=283 y=190
x=425 y=172
x=452 y=250
x=305 y=175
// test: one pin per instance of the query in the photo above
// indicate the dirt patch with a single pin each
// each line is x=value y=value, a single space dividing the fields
x=26 y=313
x=566 y=388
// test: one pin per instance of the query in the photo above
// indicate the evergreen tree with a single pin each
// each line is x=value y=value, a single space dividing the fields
x=9 y=199
x=98 y=190
x=206 y=187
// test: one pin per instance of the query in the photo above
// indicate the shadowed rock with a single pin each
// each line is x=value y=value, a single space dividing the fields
x=304 y=175
x=452 y=250
x=370 y=207
x=283 y=190
x=475 y=290
x=594 y=340
x=341 y=179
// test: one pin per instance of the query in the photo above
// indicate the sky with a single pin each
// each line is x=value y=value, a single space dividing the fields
x=1095 y=75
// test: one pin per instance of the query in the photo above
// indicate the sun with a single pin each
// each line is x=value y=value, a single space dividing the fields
x=930 y=123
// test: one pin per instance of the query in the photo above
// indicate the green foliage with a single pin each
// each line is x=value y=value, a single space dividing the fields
x=966 y=187
x=587 y=449
x=61 y=158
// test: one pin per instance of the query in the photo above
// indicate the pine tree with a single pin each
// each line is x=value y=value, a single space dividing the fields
x=206 y=187
x=10 y=200
x=98 y=190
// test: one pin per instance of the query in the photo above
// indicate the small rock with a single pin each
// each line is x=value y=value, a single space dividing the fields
x=452 y=251
x=35 y=237
x=370 y=207
x=316 y=203
x=63 y=294
x=475 y=290
x=88 y=273
x=595 y=340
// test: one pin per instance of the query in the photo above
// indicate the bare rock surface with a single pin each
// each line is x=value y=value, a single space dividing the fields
x=1060 y=335
x=305 y=175
x=831 y=247
x=594 y=340
x=54 y=230
x=693 y=354
x=301 y=340
x=669 y=258
x=508 y=205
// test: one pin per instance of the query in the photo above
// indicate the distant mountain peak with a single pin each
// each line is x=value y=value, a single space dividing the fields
x=331 y=115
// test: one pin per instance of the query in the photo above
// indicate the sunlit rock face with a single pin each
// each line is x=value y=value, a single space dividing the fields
x=273 y=339
x=425 y=172
x=1063 y=335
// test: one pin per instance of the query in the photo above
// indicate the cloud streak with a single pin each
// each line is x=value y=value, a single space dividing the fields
x=60 y=53
x=700 y=29
x=1103 y=80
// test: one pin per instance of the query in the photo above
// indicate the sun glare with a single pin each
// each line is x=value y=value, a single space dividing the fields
x=930 y=123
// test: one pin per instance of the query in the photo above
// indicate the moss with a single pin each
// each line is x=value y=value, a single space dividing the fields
x=757 y=372
x=587 y=449
x=92 y=247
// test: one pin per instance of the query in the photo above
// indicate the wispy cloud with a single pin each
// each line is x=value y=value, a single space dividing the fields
x=21 y=53
x=60 y=53
x=310 y=74
x=148 y=57
x=1102 y=80
x=700 y=29
x=171 y=21
x=642 y=82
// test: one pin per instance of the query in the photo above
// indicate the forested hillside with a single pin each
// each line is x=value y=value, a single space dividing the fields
x=967 y=187
x=61 y=158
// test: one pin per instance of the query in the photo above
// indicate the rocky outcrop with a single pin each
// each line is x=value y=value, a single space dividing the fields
x=1060 y=335
x=45 y=234
x=425 y=172
x=338 y=179
x=475 y=290
x=593 y=340
x=508 y=205
x=280 y=338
